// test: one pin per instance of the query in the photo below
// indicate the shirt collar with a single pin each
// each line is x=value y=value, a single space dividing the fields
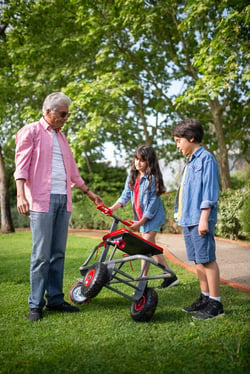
x=197 y=153
x=46 y=125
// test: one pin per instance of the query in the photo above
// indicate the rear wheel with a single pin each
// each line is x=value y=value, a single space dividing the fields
x=143 y=309
x=94 y=280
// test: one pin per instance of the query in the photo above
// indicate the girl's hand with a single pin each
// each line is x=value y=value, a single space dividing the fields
x=135 y=226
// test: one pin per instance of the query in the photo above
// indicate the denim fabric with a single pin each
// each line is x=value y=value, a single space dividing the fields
x=200 y=188
x=200 y=249
x=49 y=237
x=151 y=204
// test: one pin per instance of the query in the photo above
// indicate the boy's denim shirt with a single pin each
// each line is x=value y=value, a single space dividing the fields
x=200 y=189
x=151 y=204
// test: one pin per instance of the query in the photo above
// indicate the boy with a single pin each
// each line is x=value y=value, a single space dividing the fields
x=196 y=212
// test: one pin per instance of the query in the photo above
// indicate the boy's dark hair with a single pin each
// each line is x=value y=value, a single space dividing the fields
x=189 y=129
x=147 y=153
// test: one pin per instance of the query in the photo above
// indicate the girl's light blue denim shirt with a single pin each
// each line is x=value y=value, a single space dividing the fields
x=200 y=188
x=151 y=204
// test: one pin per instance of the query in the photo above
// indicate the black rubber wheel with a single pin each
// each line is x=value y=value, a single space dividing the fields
x=143 y=309
x=76 y=296
x=94 y=280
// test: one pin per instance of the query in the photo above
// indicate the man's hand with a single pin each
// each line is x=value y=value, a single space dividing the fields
x=23 y=205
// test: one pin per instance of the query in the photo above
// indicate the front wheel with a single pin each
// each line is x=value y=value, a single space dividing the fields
x=75 y=294
x=94 y=280
x=143 y=309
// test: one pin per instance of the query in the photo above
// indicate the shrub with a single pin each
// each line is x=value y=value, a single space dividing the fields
x=232 y=206
x=86 y=216
x=240 y=178
x=171 y=226
x=19 y=220
x=245 y=216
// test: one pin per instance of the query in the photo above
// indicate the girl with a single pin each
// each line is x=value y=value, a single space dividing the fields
x=143 y=187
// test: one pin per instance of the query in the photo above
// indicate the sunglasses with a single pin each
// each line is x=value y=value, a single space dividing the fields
x=64 y=114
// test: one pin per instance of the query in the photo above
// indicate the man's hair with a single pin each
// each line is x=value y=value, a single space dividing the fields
x=54 y=100
x=189 y=129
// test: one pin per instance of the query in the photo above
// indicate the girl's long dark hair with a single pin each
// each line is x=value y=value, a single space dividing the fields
x=147 y=153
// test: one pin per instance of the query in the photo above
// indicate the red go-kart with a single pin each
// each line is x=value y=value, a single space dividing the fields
x=109 y=271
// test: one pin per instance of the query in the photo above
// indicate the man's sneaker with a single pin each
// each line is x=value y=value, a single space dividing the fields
x=64 y=307
x=213 y=309
x=199 y=304
x=169 y=282
x=35 y=314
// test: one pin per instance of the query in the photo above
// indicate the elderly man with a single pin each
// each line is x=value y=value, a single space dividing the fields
x=45 y=172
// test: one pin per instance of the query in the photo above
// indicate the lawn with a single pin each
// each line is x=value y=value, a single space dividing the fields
x=103 y=338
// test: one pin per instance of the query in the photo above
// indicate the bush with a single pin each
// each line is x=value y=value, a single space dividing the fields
x=19 y=220
x=240 y=178
x=86 y=216
x=233 y=211
x=245 y=216
x=233 y=206
x=171 y=226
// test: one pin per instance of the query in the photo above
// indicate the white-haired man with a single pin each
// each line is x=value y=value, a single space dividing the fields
x=45 y=172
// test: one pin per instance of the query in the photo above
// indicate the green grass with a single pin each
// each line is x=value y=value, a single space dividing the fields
x=103 y=338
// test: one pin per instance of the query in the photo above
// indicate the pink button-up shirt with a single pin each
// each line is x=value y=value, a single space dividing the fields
x=34 y=147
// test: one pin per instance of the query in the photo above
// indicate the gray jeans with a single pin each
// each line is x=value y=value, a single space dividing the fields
x=49 y=238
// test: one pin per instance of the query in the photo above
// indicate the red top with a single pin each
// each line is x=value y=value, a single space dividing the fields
x=138 y=208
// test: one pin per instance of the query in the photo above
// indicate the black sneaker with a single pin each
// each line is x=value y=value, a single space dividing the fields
x=35 y=314
x=213 y=309
x=169 y=282
x=64 y=307
x=199 y=304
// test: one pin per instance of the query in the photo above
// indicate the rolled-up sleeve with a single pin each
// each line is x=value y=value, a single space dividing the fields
x=210 y=185
x=24 y=149
x=126 y=194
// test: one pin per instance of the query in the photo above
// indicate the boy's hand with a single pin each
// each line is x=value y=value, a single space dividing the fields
x=202 y=229
x=203 y=224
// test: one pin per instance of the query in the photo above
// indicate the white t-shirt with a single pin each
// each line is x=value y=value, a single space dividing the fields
x=58 y=183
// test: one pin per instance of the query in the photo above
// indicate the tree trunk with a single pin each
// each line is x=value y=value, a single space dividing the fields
x=223 y=161
x=6 y=220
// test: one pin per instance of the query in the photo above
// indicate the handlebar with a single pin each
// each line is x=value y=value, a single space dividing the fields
x=107 y=211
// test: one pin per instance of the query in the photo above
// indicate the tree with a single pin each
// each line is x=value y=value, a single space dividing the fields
x=6 y=221
x=119 y=61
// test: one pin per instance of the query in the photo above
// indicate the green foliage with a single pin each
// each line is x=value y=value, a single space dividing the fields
x=19 y=220
x=105 y=178
x=86 y=216
x=171 y=225
x=245 y=216
x=233 y=206
x=233 y=213
x=240 y=178
x=119 y=62
x=103 y=338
